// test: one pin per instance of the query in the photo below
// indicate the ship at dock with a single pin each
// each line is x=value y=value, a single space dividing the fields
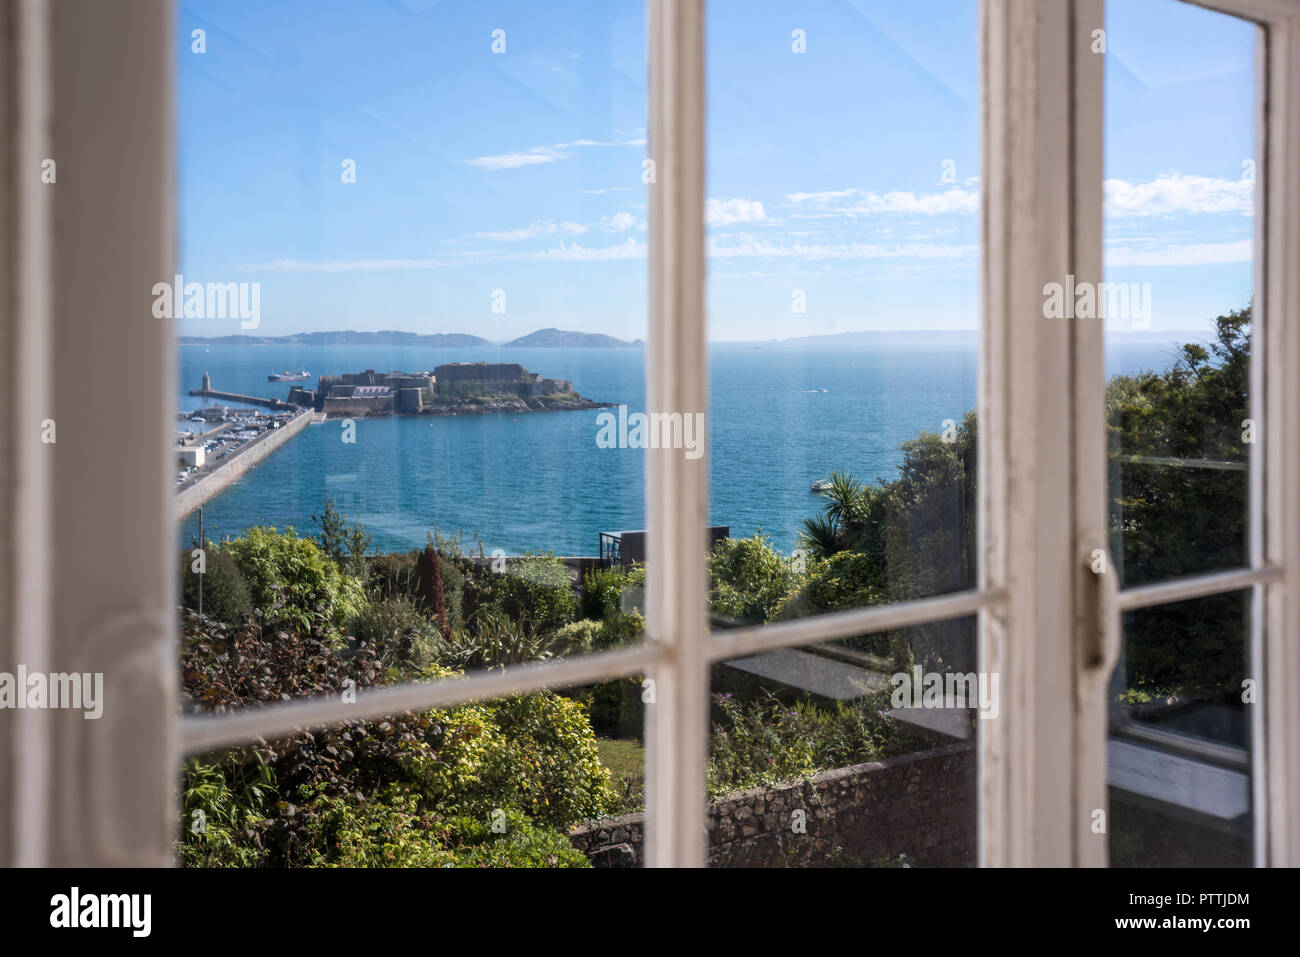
x=287 y=376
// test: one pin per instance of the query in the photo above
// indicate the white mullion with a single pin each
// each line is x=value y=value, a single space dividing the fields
x=1276 y=354
x=677 y=487
x=29 y=560
x=1097 y=620
x=1031 y=527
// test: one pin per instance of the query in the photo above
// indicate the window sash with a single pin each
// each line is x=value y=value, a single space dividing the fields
x=1040 y=614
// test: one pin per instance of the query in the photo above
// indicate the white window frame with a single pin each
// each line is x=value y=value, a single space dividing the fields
x=102 y=792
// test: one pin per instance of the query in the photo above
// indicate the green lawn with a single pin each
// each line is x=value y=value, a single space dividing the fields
x=625 y=759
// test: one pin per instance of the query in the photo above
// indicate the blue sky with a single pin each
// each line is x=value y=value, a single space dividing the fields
x=847 y=175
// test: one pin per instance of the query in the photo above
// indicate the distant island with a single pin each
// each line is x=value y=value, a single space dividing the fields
x=562 y=339
x=454 y=388
x=541 y=339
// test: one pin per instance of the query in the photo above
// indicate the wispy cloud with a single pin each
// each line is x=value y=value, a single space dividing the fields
x=747 y=246
x=534 y=231
x=631 y=249
x=546 y=154
x=1190 y=254
x=515 y=160
x=344 y=265
x=618 y=223
x=1174 y=193
x=725 y=212
x=854 y=203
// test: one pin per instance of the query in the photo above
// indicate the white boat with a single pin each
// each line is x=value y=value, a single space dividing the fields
x=824 y=484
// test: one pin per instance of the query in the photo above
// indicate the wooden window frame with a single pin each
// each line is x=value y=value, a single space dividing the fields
x=102 y=793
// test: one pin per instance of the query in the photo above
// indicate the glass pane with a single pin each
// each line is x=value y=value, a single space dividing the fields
x=1180 y=745
x=1180 y=102
x=851 y=753
x=843 y=299
x=410 y=298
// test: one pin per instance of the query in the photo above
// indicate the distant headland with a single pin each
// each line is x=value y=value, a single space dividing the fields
x=541 y=339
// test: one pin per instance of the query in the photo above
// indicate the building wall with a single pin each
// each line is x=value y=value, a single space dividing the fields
x=920 y=804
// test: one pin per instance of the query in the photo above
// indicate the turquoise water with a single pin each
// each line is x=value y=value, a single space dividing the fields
x=539 y=480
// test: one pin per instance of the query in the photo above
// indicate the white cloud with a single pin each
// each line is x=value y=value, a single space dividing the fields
x=725 y=212
x=353 y=265
x=1191 y=254
x=746 y=246
x=607 y=189
x=1173 y=193
x=534 y=231
x=895 y=202
x=544 y=154
x=617 y=223
x=513 y=160
x=575 y=253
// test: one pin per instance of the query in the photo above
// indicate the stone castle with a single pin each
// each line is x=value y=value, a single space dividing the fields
x=384 y=393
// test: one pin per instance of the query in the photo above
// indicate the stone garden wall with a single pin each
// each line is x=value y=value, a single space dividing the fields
x=920 y=804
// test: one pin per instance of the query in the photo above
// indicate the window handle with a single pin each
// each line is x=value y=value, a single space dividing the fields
x=1101 y=613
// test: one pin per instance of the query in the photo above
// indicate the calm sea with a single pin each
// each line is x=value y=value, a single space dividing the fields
x=782 y=417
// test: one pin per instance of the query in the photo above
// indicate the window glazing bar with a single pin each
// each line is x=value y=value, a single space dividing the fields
x=200 y=733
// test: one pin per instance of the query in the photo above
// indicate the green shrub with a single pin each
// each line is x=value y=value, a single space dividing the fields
x=579 y=637
x=515 y=842
x=767 y=741
x=394 y=575
x=223 y=808
x=400 y=632
x=601 y=590
x=537 y=590
x=550 y=768
x=748 y=579
x=291 y=577
x=225 y=593
x=495 y=641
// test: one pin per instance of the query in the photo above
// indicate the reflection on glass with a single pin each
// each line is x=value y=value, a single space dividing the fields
x=851 y=753
x=411 y=299
x=843 y=295
x=1180 y=187
x=1180 y=751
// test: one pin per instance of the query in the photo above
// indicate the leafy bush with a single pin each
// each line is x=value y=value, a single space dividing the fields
x=222 y=805
x=521 y=844
x=551 y=768
x=579 y=637
x=402 y=635
x=290 y=577
x=766 y=741
x=748 y=579
x=381 y=791
x=394 y=575
x=225 y=593
x=495 y=641
x=535 y=590
x=346 y=543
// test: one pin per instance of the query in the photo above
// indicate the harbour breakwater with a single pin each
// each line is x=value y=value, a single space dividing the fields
x=210 y=483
